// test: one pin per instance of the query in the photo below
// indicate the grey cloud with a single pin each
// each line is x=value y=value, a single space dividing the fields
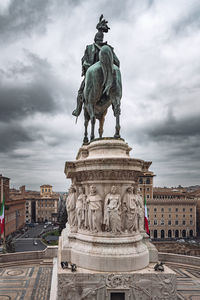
x=189 y=22
x=19 y=102
x=36 y=65
x=38 y=89
x=117 y=11
x=173 y=128
x=23 y=18
x=12 y=135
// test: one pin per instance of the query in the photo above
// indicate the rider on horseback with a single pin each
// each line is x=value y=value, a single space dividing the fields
x=91 y=56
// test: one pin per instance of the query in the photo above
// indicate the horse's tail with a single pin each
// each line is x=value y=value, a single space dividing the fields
x=106 y=60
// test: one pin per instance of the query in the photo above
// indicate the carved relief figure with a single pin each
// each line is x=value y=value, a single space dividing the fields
x=71 y=208
x=112 y=213
x=94 y=210
x=140 y=210
x=129 y=208
x=81 y=208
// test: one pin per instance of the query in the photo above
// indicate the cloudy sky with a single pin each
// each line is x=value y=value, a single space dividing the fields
x=42 y=42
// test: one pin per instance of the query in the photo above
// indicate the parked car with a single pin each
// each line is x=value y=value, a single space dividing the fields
x=35 y=243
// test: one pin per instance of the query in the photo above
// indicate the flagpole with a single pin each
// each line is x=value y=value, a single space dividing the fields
x=144 y=200
x=1 y=192
x=4 y=237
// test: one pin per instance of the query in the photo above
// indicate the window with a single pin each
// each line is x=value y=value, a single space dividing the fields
x=183 y=222
x=148 y=180
x=148 y=196
x=169 y=222
x=169 y=216
x=176 y=222
x=169 y=209
x=190 y=209
x=190 y=216
x=162 y=209
x=162 y=234
x=140 y=189
x=154 y=216
x=155 y=209
x=155 y=222
x=147 y=189
x=162 y=222
x=141 y=181
x=162 y=216
x=183 y=216
x=45 y=190
x=183 y=209
x=176 y=209
x=176 y=216
x=191 y=222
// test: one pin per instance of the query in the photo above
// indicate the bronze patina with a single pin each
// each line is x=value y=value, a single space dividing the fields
x=101 y=86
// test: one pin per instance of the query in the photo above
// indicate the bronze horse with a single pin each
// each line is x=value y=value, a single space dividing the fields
x=102 y=88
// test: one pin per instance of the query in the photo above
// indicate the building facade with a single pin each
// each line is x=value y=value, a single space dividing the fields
x=14 y=208
x=40 y=206
x=47 y=205
x=145 y=183
x=171 y=214
x=196 y=195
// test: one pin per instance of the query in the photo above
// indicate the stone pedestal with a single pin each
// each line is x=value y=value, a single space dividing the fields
x=144 y=284
x=105 y=235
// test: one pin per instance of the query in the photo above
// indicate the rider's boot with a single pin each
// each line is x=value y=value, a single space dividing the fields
x=78 y=109
x=79 y=105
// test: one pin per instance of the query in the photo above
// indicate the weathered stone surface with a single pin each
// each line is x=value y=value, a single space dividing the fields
x=145 y=284
x=109 y=245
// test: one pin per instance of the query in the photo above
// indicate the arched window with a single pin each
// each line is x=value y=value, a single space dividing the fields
x=169 y=233
x=162 y=234
x=184 y=233
x=155 y=235
x=191 y=233
x=176 y=233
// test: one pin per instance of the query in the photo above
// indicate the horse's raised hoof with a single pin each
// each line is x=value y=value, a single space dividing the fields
x=85 y=140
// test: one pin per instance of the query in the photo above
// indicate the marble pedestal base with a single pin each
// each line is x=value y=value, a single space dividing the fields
x=144 y=284
x=104 y=252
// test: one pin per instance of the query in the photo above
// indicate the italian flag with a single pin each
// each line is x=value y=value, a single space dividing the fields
x=2 y=210
x=146 y=224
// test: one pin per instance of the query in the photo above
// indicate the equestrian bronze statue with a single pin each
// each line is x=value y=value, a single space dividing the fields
x=101 y=86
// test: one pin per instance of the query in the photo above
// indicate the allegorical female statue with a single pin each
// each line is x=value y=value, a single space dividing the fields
x=71 y=208
x=129 y=207
x=140 y=210
x=81 y=208
x=112 y=214
x=94 y=201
